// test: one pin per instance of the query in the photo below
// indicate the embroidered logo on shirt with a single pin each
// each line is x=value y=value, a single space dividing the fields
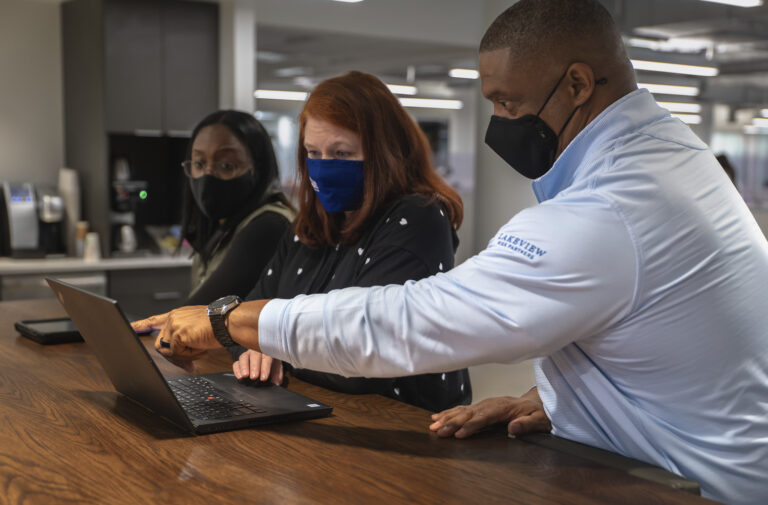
x=519 y=245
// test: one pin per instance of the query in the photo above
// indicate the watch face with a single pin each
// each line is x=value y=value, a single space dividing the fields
x=223 y=304
x=223 y=301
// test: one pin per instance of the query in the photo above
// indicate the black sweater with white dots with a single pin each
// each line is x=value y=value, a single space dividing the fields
x=411 y=240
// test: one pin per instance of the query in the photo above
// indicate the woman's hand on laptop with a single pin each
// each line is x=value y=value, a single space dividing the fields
x=258 y=367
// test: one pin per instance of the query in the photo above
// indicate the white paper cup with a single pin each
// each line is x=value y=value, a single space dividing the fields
x=92 y=249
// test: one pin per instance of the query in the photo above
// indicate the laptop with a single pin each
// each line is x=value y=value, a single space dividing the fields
x=198 y=404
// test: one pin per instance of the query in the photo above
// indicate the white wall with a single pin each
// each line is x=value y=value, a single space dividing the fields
x=31 y=101
x=237 y=54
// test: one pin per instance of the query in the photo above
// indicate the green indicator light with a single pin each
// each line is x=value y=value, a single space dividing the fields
x=143 y=194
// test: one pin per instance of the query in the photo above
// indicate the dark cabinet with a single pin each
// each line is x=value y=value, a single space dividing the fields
x=161 y=64
x=191 y=67
x=133 y=64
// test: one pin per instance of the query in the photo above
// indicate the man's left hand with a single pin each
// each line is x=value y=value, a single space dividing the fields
x=523 y=415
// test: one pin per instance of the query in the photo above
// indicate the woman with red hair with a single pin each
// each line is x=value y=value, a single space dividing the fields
x=372 y=211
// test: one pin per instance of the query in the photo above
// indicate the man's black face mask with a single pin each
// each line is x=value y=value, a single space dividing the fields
x=527 y=143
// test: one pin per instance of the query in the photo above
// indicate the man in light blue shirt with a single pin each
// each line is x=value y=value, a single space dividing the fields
x=640 y=281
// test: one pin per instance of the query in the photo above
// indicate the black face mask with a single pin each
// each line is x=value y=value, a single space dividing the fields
x=527 y=143
x=220 y=198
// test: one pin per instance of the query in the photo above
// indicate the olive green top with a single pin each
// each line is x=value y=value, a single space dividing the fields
x=201 y=270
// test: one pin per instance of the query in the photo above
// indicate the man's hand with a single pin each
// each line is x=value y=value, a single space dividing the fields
x=523 y=415
x=257 y=366
x=185 y=334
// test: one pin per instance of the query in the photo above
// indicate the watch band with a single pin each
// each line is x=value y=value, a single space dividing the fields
x=217 y=314
x=220 y=330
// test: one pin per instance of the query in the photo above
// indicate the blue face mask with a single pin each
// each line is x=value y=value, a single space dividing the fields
x=337 y=183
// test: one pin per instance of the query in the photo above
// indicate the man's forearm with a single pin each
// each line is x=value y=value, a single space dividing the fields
x=243 y=323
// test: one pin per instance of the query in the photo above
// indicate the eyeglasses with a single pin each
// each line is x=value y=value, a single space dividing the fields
x=220 y=169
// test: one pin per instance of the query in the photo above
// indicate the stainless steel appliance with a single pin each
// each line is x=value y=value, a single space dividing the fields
x=19 y=223
x=51 y=213
x=31 y=221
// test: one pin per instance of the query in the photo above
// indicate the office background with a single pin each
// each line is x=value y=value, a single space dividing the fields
x=288 y=45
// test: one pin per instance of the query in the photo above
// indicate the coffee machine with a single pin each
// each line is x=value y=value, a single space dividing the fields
x=50 y=211
x=147 y=187
x=31 y=221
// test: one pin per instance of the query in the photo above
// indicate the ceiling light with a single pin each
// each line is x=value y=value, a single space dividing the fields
x=304 y=82
x=464 y=73
x=674 y=68
x=264 y=115
x=269 y=57
x=670 y=89
x=431 y=103
x=751 y=129
x=688 y=118
x=764 y=112
x=761 y=122
x=674 y=44
x=399 y=89
x=272 y=94
x=693 y=108
x=293 y=71
x=738 y=3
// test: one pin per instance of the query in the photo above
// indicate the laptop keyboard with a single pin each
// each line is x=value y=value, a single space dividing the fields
x=202 y=400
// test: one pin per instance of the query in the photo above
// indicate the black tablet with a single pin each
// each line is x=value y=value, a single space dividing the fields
x=49 y=331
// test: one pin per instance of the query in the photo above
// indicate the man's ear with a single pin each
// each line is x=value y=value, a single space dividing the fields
x=581 y=83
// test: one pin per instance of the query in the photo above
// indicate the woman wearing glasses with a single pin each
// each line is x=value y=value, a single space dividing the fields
x=234 y=210
x=372 y=211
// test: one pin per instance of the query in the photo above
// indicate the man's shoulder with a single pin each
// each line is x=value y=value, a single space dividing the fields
x=566 y=227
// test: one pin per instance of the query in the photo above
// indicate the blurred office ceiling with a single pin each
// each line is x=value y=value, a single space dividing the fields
x=734 y=40
x=290 y=58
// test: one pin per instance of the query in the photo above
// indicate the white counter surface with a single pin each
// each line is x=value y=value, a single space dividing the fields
x=13 y=266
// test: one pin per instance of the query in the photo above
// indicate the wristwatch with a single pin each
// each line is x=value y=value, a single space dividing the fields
x=217 y=313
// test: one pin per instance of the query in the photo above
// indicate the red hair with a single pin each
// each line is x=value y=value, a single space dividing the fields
x=396 y=158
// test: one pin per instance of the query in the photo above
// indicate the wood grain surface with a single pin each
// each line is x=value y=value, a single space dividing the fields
x=66 y=436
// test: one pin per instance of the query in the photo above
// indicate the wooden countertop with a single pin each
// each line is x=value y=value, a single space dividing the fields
x=67 y=437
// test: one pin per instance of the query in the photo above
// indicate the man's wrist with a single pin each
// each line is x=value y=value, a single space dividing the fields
x=218 y=311
x=533 y=395
x=243 y=323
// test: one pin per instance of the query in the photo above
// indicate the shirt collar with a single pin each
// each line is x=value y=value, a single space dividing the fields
x=629 y=113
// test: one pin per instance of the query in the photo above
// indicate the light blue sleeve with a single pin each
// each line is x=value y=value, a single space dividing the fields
x=552 y=275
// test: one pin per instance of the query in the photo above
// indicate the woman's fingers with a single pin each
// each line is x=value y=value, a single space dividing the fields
x=266 y=368
x=277 y=372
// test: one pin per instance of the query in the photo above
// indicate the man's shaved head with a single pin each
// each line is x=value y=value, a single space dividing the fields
x=557 y=32
x=561 y=60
